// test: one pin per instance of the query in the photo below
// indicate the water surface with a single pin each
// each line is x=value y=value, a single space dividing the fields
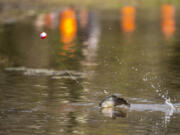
x=53 y=86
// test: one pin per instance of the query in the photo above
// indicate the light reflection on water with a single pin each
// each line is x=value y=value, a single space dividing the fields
x=53 y=86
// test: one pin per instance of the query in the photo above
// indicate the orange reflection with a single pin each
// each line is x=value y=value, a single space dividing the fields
x=128 y=18
x=68 y=29
x=48 y=20
x=51 y=20
x=168 y=21
x=68 y=25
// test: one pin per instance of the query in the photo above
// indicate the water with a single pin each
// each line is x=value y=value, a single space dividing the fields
x=54 y=86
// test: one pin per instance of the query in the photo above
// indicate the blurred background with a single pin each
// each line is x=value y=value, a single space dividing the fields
x=93 y=49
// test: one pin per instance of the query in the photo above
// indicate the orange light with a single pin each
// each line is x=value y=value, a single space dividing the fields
x=128 y=18
x=168 y=21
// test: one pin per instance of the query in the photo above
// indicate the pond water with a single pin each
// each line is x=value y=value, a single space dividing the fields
x=53 y=86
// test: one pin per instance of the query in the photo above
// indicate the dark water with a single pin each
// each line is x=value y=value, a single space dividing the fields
x=53 y=86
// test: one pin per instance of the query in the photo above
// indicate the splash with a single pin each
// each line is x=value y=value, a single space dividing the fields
x=164 y=95
x=168 y=107
x=168 y=102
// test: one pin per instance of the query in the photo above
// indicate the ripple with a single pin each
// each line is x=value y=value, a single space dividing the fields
x=48 y=72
